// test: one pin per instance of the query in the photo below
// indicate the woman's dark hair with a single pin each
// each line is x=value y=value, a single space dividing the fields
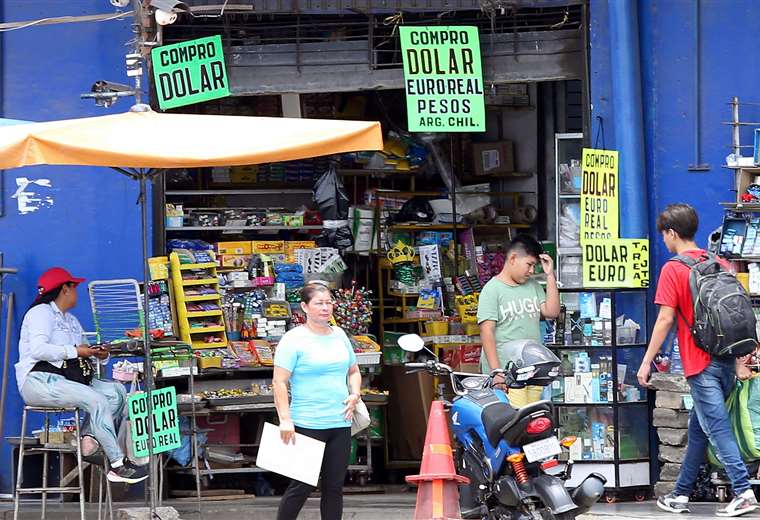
x=525 y=245
x=311 y=289
x=681 y=218
x=47 y=297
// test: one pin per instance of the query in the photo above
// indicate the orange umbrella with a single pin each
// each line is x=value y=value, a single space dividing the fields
x=142 y=143
x=147 y=139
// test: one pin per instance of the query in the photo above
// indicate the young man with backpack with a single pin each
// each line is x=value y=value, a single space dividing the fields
x=694 y=276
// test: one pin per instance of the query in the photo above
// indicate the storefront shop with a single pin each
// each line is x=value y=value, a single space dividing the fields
x=428 y=218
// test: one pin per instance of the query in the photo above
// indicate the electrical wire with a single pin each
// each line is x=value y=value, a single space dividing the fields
x=14 y=26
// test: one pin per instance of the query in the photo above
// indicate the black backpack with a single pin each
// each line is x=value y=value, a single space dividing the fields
x=724 y=322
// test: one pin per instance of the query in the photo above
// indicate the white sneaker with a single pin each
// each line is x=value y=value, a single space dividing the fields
x=740 y=505
x=673 y=503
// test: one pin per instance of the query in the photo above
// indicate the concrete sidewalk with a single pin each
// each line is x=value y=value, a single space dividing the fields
x=396 y=506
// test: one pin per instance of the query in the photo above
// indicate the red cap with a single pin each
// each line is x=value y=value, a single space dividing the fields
x=53 y=278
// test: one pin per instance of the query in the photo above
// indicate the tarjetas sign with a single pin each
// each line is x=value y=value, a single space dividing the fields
x=443 y=79
x=189 y=72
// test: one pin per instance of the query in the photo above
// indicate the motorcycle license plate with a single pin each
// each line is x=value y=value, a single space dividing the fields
x=542 y=449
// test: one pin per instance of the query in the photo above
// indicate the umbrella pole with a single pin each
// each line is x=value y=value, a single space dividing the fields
x=146 y=340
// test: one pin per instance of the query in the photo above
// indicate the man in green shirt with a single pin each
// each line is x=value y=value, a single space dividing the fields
x=510 y=308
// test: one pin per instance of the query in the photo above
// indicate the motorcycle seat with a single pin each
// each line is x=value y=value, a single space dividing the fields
x=498 y=418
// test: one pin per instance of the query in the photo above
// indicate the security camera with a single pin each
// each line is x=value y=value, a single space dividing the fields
x=170 y=6
x=106 y=93
x=120 y=3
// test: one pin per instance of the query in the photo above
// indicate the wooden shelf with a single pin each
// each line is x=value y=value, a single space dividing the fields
x=208 y=265
x=202 y=297
x=449 y=227
x=370 y=172
x=406 y=320
x=198 y=193
x=750 y=207
x=200 y=281
x=203 y=314
x=206 y=330
x=244 y=228
x=202 y=344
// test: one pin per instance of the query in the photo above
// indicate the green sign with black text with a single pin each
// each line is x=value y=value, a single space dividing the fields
x=165 y=421
x=443 y=79
x=189 y=72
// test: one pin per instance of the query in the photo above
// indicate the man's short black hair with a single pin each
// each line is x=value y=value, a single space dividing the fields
x=681 y=218
x=525 y=245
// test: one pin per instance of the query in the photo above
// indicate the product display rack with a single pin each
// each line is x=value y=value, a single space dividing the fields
x=189 y=334
x=567 y=148
x=607 y=410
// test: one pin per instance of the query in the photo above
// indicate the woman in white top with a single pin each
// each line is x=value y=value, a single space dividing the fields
x=51 y=346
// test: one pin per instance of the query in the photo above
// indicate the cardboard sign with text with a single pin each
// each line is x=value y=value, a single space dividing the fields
x=599 y=195
x=189 y=72
x=443 y=79
x=618 y=262
x=165 y=432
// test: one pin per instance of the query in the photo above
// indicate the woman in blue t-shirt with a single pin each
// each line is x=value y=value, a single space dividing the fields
x=316 y=359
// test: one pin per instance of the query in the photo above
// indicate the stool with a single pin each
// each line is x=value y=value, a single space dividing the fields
x=44 y=490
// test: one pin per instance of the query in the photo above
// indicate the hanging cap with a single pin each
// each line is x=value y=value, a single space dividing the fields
x=53 y=278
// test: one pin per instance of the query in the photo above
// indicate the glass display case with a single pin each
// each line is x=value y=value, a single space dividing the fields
x=567 y=162
x=600 y=338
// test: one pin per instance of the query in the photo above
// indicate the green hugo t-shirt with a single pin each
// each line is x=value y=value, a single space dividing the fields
x=516 y=309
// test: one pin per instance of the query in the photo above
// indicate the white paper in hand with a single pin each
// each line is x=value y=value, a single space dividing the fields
x=301 y=461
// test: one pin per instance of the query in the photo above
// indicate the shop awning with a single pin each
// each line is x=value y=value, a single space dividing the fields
x=147 y=139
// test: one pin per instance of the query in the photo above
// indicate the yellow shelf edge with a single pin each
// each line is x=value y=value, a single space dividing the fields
x=205 y=330
x=206 y=265
x=202 y=297
x=203 y=314
x=202 y=281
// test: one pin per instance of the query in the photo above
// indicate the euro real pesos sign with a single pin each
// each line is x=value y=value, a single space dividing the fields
x=165 y=431
x=443 y=79
x=599 y=195
x=189 y=72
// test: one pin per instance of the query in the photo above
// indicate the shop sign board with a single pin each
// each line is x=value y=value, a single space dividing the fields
x=599 y=195
x=189 y=72
x=443 y=79
x=617 y=262
x=165 y=421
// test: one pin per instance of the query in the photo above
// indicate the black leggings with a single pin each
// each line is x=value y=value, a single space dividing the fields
x=334 y=464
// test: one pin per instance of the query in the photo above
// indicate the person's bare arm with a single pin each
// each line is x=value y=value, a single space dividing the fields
x=280 y=380
x=355 y=387
x=551 y=307
x=665 y=320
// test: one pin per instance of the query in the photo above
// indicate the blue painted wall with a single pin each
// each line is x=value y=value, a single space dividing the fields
x=728 y=68
x=92 y=227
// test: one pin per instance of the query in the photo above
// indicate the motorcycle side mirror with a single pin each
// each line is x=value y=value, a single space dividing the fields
x=411 y=343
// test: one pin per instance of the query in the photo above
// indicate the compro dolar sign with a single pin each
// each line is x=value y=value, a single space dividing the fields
x=165 y=421
x=443 y=79
x=599 y=195
x=617 y=262
x=189 y=72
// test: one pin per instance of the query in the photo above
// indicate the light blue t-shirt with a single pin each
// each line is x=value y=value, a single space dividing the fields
x=319 y=370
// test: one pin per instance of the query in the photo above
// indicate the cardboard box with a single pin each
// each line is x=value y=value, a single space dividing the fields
x=239 y=261
x=234 y=248
x=292 y=245
x=268 y=247
x=495 y=157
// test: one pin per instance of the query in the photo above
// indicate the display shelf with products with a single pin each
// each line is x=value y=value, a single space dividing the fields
x=200 y=331
x=567 y=163
x=600 y=339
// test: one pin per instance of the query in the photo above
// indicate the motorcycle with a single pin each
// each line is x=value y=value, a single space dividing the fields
x=505 y=451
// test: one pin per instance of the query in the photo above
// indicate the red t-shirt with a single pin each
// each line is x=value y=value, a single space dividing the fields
x=673 y=291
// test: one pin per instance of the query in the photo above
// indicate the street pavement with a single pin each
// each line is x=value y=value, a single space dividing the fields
x=392 y=506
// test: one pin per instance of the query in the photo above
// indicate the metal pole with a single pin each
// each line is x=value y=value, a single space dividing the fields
x=735 y=134
x=146 y=340
x=6 y=359
x=698 y=164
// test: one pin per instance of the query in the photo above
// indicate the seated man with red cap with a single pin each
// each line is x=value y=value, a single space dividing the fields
x=54 y=370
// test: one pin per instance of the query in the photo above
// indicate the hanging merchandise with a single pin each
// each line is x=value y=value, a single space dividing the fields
x=332 y=202
x=353 y=310
x=430 y=260
x=402 y=258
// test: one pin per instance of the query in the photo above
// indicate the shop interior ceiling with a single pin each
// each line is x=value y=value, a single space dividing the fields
x=308 y=46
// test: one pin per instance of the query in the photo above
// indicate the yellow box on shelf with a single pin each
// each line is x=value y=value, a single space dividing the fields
x=201 y=281
x=203 y=344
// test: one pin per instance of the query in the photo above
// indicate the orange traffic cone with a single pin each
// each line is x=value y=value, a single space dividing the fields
x=438 y=495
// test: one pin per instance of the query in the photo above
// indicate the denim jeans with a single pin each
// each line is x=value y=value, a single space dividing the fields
x=709 y=420
x=104 y=402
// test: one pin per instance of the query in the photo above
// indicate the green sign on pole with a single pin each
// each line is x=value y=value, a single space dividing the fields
x=165 y=421
x=189 y=72
x=443 y=79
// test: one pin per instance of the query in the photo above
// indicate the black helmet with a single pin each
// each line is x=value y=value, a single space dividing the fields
x=530 y=363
